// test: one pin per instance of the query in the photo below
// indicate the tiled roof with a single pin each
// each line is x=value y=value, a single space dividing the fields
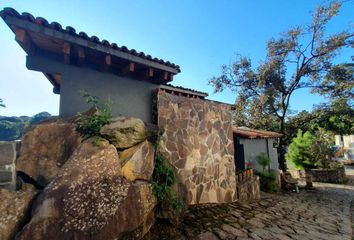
x=244 y=132
x=82 y=35
x=184 y=90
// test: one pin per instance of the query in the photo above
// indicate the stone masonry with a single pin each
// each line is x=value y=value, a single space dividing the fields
x=198 y=142
x=8 y=153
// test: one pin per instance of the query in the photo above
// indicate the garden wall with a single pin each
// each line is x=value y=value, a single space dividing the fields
x=198 y=142
x=328 y=175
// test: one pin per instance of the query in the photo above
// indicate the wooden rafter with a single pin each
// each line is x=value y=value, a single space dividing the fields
x=25 y=41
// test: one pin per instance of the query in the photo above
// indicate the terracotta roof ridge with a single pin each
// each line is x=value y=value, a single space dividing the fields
x=185 y=89
x=7 y=11
x=255 y=133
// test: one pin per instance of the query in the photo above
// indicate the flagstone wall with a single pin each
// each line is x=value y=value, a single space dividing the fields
x=198 y=141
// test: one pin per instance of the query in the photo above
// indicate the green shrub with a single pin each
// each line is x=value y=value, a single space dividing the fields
x=299 y=153
x=312 y=150
x=321 y=150
x=163 y=179
x=263 y=160
x=268 y=181
x=89 y=124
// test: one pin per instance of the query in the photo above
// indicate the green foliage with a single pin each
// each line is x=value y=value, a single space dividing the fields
x=263 y=160
x=298 y=58
x=321 y=150
x=339 y=82
x=13 y=128
x=163 y=179
x=268 y=181
x=39 y=117
x=299 y=153
x=312 y=150
x=335 y=117
x=89 y=124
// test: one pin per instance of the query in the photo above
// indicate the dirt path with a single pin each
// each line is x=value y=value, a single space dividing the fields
x=323 y=213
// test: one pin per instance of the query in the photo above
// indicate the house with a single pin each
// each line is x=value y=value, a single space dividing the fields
x=345 y=146
x=72 y=61
x=250 y=143
x=198 y=136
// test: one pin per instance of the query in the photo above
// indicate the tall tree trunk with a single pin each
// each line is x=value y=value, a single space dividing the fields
x=282 y=147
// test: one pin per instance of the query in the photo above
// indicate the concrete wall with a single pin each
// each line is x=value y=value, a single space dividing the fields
x=8 y=155
x=198 y=141
x=348 y=141
x=130 y=97
x=254 y=147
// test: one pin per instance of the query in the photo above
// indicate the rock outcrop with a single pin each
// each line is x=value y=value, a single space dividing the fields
x=14 y=209
x=45 y=148
x=89 y=199
x=125 y=132
x=138 y=162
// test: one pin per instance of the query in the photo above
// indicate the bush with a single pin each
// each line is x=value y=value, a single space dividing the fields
x=263 y=160
x=89 y=124
x=312 y=150
x=268 y=181
x=163 y=179
x=321 y=150
x=299 y=153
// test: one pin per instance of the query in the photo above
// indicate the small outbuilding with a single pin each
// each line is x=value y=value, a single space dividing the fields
x=74 y=61
x=250 y=143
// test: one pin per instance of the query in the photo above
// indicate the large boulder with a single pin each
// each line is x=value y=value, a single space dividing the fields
x=14 y=209
x=125 y=132
x=138 y=162
x=90 y=200
x=45 y=148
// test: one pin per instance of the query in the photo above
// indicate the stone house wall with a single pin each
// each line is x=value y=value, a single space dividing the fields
x=198 y=141
x=328 y=175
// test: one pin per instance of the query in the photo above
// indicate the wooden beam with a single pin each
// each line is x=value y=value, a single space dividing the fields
x=130 y=68
x=85 y=43
x=66 y=52
x=150 y=72
x=146 y=74
x=165 y=76
x=107 y=62
x=25 y=42
x=81 y=56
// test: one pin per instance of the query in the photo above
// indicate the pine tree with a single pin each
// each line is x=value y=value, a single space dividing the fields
x=299 y=153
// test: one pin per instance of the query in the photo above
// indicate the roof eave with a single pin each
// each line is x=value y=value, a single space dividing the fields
x=14 y=23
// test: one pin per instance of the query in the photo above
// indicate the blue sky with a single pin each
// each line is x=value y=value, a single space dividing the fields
x=198 y=35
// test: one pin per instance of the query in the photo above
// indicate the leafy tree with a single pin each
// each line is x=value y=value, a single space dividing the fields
x=39 y=117
x=339 y=82
x=13 y=128
x=299 y=153
x=298 y=58
x=321 y=149
x=336 y=117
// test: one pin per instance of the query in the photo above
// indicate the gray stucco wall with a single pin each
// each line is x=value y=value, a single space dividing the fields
x=129 y=97
x=254 y=147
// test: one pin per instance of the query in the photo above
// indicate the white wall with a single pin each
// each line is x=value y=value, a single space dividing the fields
x=254 y=147
x=348 y=141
